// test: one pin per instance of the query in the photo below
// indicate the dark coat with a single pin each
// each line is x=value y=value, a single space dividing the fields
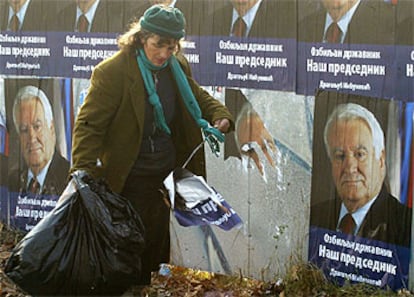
x=110 y=123
x=274 y=19
x=387 y=220
x=372 y=23
x=55 y=181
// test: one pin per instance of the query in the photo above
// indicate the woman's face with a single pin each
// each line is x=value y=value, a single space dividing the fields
x=158 y=50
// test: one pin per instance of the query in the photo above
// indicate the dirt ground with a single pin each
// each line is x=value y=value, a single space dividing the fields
x=302 y=280
x=179 y=281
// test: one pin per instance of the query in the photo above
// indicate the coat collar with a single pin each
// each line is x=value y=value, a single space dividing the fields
x=137 y=91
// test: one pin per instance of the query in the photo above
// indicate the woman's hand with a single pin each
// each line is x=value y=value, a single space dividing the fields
x=222 y=124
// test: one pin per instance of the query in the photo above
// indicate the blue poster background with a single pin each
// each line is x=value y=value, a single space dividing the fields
x=358 y=260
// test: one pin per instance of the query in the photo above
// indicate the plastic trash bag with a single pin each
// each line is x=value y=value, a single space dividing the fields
x=89 y=244
x=195 y=203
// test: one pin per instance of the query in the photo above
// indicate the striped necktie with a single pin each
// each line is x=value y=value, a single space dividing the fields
x=239 y=28
x=347 y=224
x=83 y=24
x=14 y=24
x=334 y=33
x=34 y=186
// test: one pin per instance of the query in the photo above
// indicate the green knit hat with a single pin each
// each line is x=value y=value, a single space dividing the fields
x=164 y=20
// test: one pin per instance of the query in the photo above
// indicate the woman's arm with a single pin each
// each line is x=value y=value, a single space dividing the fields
x=94 y=118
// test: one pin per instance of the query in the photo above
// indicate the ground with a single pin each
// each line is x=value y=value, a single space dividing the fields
x=302 y=280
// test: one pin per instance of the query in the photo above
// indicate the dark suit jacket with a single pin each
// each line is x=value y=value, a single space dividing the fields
x=405 y=32
x=372 y=23
x=195 y=11
x=110 y=16
x=387 y=220
x=274 y=19
x=38 y=17
x=55 y=181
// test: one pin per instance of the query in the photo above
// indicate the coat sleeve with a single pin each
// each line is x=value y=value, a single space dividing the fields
x=95 y=116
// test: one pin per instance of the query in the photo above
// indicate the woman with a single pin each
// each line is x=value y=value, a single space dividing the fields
x=142 y=118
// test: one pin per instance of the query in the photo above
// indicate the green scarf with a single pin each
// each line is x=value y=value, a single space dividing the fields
x=145 y=66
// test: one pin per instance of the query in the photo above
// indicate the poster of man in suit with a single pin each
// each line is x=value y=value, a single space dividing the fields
x=353 y=201
x=340 y=42
x=38 y=171
x=349 y=22
x=195 y=12
x=105 y=16
x=261 y=19
x=28 y=15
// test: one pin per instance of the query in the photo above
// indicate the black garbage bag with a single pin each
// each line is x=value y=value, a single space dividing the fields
x=88 y=245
